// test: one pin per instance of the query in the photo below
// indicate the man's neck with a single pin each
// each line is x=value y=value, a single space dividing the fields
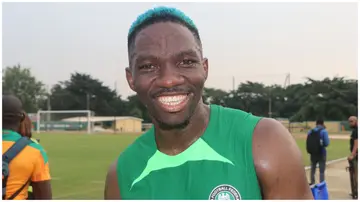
x=173 y=142
x=9 y=128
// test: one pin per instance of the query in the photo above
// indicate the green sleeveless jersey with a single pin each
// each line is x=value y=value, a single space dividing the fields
x=217 y=166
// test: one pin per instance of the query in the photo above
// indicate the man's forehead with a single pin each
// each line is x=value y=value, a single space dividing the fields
x=164 y=38
x=165 y=29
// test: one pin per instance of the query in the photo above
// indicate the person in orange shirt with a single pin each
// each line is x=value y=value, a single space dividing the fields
x=30 y=165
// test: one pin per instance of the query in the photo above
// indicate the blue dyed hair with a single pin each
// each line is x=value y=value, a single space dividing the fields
x=161 y=14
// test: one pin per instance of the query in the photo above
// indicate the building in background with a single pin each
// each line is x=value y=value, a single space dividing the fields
x=127 y=124
x=147 y=126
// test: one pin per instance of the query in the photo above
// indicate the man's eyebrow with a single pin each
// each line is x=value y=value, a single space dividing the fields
x=189 y=52
x=142 y=56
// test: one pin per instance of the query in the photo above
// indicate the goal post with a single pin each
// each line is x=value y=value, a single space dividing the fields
x=63 y=118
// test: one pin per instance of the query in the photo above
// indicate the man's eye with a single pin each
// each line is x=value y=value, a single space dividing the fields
x=147 y=67
x=188 y=62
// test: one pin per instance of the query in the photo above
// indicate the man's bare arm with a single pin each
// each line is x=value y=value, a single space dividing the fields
x=354 y=151
x=112 y=191
x=278 y=162
x=42 y=190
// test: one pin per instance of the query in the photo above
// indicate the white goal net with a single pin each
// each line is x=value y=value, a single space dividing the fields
x=62 y=120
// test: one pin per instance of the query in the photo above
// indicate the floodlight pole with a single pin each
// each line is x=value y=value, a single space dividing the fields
x=38 y=122
x=87 y=101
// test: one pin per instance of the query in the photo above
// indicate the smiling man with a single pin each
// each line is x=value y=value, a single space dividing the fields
x=196 y=151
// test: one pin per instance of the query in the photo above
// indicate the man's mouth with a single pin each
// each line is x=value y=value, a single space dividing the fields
x=173 y=103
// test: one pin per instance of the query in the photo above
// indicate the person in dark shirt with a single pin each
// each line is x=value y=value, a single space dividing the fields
x=315 y=159
x=353 y=138
x=353 y=157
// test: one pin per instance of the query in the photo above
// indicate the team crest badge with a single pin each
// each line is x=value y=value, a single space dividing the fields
x=225 y=192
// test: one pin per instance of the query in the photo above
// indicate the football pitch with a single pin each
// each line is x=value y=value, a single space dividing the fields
x=79 y=162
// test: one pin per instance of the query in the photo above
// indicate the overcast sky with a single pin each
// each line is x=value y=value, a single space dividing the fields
x=250 y=41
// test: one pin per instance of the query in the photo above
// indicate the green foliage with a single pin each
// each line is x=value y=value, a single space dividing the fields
x=19 y=81
x=82 y=92
x=329 y=99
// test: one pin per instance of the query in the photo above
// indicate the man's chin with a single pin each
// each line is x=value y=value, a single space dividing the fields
x=175 y=120
x=165 y=125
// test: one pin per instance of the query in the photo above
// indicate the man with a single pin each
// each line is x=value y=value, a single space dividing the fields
x=195 y=151
x=30 y=165
x=353 y=157
x=316 y=143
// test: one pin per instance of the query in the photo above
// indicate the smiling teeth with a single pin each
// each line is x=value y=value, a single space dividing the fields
x=172 y=100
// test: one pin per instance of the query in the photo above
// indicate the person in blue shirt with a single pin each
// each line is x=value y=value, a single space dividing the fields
x=321 y=158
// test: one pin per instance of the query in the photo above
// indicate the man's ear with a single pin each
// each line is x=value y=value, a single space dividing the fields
x=205 y=65
x=129 y=78
x=22 y=116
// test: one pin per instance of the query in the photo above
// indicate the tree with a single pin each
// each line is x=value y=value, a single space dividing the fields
x=137 y=109
x=20 y=82
x=213 y=96
x=82 y=92
x=329 y=99
x=250 y=96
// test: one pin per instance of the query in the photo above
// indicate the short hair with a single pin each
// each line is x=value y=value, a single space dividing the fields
x=319 y=122
x=12 y=113
x=161 y=14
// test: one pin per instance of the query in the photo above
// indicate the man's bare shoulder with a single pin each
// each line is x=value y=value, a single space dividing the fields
x=271 y=139
x=278 y=162
x=112 y=190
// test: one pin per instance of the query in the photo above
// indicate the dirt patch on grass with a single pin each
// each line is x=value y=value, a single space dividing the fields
x=332 y=136
x=340 y=137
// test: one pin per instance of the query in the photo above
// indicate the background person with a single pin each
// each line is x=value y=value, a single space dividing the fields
x=29 y=165
x=316 y=143
x=353 y=157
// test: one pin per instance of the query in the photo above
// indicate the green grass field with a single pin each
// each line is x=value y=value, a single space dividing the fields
x=79 y=162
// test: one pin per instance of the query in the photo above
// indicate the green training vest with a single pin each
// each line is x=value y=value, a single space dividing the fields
x=218 y=166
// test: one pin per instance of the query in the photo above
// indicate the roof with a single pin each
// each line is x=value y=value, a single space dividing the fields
x=99 y=118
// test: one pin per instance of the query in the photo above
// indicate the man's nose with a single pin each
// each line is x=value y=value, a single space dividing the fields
x=169 y=77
